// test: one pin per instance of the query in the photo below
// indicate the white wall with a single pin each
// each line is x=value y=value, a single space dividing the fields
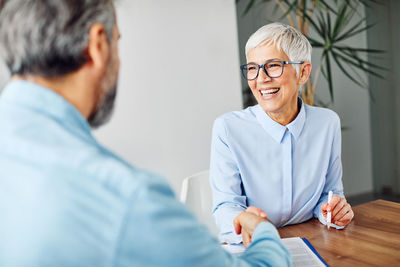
x=179 y=71
x=351 y=103
x=4 y=75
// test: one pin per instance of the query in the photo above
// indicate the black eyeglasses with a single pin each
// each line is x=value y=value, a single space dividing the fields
x=273 y=69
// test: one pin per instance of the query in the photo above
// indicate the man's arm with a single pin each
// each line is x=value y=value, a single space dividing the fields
x=160 y=231
x=228 y=198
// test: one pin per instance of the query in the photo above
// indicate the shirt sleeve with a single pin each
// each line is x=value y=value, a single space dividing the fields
x=228 y=198
x=158 y=230
x=334 y=174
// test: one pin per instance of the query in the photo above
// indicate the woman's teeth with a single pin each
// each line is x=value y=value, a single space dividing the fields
x=269 y=91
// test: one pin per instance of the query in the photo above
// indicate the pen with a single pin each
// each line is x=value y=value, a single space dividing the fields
x=329 y=215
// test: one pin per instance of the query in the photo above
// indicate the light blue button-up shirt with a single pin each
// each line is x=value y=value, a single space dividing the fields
x=67 y=201
x=285 y=170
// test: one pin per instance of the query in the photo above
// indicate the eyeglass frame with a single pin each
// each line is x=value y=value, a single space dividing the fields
x=265 y=71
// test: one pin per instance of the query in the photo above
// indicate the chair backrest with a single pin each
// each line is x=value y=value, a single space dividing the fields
x=196 y=194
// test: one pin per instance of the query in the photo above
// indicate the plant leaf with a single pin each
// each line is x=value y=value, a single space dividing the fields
x=248 y=7
x=345 y=72
x=354 y=31
x=359 y=66
x=314 y=42
x=366 y=50
x=353 y=55
x=328 y=26
x=291 y=7
x=314 y=25
x=324 y=3
x=340 y=21
x=329 y=75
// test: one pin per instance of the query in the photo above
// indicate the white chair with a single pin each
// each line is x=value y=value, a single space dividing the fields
x=196 y=194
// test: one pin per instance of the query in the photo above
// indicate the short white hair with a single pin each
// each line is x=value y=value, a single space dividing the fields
x=285 y=38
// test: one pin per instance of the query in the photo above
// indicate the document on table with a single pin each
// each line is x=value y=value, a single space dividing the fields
x=303 y=253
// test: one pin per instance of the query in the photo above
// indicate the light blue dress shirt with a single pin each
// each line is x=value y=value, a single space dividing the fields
x=285 y=170
x=67 y=201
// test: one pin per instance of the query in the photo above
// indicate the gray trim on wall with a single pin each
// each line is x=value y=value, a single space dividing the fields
x=385 y=109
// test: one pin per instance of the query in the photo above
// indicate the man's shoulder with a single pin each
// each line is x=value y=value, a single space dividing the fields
x=117 y=174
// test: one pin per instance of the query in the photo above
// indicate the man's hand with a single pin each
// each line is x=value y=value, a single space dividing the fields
x=246 y=222
x=342 y=214
x=257 y=211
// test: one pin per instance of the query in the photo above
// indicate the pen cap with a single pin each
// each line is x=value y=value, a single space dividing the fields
x=330 y=194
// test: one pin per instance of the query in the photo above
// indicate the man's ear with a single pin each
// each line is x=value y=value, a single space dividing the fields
x=98 y=50
x=305 y=72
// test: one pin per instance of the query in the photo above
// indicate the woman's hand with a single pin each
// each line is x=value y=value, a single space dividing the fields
x=342 y=214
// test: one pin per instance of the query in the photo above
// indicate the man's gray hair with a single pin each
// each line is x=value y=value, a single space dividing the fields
x=285 y=38
x=49 y=37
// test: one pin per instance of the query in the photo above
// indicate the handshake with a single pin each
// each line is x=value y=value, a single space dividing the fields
x=247 y=221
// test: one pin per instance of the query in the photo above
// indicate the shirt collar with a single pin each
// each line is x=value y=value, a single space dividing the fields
x=44 y=100
x=276 y=130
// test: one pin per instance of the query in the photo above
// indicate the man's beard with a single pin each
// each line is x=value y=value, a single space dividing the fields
x=104 y=111
x=105 y=107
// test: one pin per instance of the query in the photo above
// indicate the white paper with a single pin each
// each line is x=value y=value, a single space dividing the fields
x=302 y=255
x=236 y=249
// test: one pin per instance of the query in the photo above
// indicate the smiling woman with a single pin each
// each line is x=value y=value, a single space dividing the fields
x=273 y=43
x=277 y=96
x=268 y=164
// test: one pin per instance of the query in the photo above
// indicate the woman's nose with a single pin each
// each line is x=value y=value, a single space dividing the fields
x=262 y=76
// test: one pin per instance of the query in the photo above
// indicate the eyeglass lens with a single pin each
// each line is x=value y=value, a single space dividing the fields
x=273 y=69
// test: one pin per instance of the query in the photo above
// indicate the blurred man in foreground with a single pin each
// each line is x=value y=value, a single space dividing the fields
x=65 y=200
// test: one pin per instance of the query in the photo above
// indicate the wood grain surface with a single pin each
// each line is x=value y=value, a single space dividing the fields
x=371 y=239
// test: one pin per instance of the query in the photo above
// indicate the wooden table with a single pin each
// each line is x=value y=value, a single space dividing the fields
x=371 y=239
